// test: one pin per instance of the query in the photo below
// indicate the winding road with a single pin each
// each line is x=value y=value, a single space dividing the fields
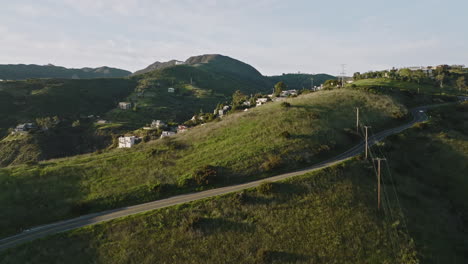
x=90 y=219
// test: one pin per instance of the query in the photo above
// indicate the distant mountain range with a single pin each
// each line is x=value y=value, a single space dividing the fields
x=32 y=71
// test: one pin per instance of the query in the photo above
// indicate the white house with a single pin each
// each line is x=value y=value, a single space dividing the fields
x=126 y=142
x=288 y=93
x=181 y=129
x=167 y=134
x=125 y=105
x=23 y=128
x=158 y=124
x=171 y=90
x=102 y=121
x=261 y=101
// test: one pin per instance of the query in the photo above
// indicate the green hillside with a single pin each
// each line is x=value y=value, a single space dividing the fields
x=32 y=71
x=328 y=216
x=62 y=140
x=199 y=86
x=23 y=101
x=261 y=142
x=300 y=81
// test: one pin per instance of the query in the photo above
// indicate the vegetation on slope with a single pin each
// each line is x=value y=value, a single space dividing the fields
x=24 y=101
x=263 y=141
x=403 y=85
x=328 y=216
x=64 y=139
x=22 y=72
x=429 y=164
x=301 y=81
x=323 y=217
x=197 y=88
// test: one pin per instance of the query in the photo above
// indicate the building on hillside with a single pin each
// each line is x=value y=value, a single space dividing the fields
x=125 y=105
x=261 y=101
x=158 y=124
x=126 y=141
x=246 y=103
x=171 y=90
x=182 y=129
x=222 y=112
x=287 y=93
x=167 y=134
x=102 y=121
x=23 y=128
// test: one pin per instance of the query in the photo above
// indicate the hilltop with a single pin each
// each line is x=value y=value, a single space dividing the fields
x=32 y=71
x=200 y=83
x=158 y=66
x=300 y=81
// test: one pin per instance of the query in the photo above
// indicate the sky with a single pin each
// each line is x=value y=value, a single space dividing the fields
x=274 y=36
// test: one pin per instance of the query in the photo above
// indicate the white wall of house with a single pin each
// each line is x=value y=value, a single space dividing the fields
x=126 y=142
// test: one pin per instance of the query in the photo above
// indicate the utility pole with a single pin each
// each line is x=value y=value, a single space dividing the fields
x=357 y=120
x=367 y=143
x=343 y=74
x=378 y=181
x=311 y=83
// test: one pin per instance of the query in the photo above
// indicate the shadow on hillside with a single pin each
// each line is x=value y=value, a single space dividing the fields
x=215 y=225
x=272 y=256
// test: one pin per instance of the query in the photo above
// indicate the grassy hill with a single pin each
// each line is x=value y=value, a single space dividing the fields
x=23 y=101
x=32 y=71
x=62 y=140
x=200 y=84
x=424 y=88
x=300 y=81
x=261 y=142
x=328 y=216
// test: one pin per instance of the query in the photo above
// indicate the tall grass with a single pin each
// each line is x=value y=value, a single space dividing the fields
x=323 y=217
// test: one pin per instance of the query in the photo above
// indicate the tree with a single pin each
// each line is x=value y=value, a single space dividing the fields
x=357 y=76
x=47 y=123
x=237 y=99
x=279 y=87
x=441 y=78
x=461 y=83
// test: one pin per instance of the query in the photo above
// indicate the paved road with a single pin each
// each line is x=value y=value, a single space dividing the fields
x=42 y=231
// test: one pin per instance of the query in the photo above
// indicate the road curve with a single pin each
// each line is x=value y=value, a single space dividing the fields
x=90 y=219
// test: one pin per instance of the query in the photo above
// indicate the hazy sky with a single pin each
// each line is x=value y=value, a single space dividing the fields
x=273 y=36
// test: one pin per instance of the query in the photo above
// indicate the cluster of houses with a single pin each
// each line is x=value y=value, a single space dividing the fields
x=129 y=141
x=23 y=128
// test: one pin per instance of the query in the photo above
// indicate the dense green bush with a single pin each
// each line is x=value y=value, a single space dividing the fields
x=205 y=175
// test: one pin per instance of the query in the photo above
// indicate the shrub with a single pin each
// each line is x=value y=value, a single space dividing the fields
x=285 y=104
x=80 y=207
x=285 y=134
x=265 y=188
x=239 y=198
x=314 y=115
x=272 y=162
x=185 y=181
x=420 y=126
x=205 y=175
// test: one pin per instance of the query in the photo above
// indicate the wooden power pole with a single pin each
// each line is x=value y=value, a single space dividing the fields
x=367 y=142
x=378 y=181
